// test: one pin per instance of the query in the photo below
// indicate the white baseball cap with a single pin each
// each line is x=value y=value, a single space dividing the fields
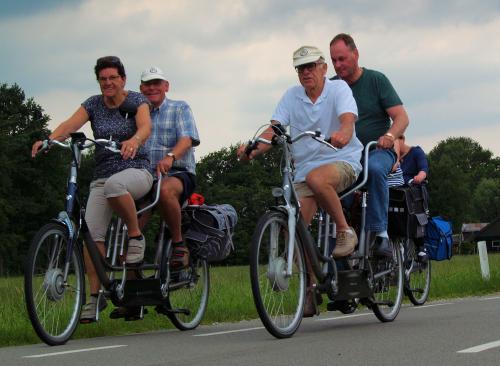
x=306 y=55
x=152 y=73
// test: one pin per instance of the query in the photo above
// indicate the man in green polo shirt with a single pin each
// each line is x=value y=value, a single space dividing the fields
x=378 y=105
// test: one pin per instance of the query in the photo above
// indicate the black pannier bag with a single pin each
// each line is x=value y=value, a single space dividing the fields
x=408 y=211
x=210 y=230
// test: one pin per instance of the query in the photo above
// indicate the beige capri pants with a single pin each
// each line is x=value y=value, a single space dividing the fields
x=98 y=213
x=347 y=178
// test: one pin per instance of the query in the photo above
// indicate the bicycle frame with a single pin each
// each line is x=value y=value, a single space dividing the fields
x=73 y=216
x=296 y=223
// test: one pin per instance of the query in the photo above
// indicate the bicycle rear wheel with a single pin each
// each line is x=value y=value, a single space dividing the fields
x=417 y=276
x=191 y=299
x=279 y=298
x=388 y=284
x=53 y=306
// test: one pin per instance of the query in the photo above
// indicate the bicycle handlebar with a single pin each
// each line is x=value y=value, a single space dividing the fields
x=280 y=133
x=111 y=145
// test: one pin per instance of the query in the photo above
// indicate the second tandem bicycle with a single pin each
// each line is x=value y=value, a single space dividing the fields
x=281 y=241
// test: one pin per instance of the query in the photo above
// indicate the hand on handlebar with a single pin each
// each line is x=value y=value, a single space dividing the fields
x=38 y=147
x=339 y=139
x=164 y=165
x=385 y=142
x=247 y=152
x=129 y=148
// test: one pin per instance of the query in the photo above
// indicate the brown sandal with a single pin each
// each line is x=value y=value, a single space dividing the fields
x=180 y=257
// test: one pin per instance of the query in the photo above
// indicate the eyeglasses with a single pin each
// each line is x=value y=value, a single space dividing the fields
x=103 y=79
x=309 y=67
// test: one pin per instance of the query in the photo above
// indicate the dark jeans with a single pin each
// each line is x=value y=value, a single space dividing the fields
x=380 y=164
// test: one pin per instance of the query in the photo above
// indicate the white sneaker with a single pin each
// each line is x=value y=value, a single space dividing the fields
x=135 y=251
x=346 y=242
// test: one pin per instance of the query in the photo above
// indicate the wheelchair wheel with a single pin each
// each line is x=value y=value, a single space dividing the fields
x=417 y=275
x=388 y=283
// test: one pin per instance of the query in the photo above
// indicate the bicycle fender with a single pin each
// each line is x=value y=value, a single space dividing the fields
x=64 y=219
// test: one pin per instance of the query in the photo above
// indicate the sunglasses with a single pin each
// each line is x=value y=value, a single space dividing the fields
x=309 y=67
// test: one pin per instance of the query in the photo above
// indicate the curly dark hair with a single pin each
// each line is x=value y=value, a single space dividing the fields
x=109 y=61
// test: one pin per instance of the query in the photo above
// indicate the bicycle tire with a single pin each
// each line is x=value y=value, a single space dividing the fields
x=279 y=300
x=53 y=307
x=417 y=276
x=192 y=297
x=388 y=289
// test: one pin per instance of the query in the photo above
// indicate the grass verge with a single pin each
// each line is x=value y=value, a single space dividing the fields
x=231 y=300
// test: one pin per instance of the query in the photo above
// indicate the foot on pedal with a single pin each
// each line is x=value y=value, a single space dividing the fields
x=382 y=247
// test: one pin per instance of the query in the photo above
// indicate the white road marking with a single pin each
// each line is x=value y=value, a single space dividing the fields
x=75 y=351
x=227 y=332
x=432 y=305
x=481 y=347
x=490 y=298
x=343 y=317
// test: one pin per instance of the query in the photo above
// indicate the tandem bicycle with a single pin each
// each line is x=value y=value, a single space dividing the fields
x=54 y=281
x=281 y=241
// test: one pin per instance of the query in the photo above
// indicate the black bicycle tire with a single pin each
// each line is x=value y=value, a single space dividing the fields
x=30 y=261
x=254 y=277
x=176 y=319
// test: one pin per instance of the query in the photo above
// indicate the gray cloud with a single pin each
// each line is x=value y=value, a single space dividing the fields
x=231 y=60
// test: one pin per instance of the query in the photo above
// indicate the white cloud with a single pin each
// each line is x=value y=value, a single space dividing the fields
x=231 y=60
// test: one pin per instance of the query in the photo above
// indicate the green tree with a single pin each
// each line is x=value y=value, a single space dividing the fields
x=28 y=187
x=486 y=200
x=457 y=165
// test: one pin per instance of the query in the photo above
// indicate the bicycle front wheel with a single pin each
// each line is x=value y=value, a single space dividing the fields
x=417 y=276
x=190 y=301
x=279 y=297
x=388 y=284
x=53 y=304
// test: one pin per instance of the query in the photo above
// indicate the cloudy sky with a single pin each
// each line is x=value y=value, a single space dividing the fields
x=231 y=60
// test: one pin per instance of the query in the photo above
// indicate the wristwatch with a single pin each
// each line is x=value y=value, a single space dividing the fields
x=390 y=135
x=172 y=155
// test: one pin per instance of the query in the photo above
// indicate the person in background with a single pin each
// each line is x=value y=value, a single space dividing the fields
x=395 y=177
x=413 y=162
x=118 y=179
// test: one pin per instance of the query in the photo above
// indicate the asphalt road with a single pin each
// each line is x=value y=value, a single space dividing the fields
x=456 y=332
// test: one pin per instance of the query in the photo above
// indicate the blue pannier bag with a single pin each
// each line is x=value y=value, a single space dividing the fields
x=438 y=238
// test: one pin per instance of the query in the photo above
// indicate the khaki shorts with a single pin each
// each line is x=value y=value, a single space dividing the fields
x=98 y=212
x=347 y=178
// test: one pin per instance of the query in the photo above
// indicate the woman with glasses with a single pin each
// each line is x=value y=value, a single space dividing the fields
x=118 y=179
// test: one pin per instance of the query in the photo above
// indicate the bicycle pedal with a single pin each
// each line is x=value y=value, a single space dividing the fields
x=161 y=309
x=344 y=306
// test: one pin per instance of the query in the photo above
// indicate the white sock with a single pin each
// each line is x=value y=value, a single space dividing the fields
x=382 y=234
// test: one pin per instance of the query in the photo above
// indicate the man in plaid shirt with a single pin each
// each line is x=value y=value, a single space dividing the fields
x=171 y=143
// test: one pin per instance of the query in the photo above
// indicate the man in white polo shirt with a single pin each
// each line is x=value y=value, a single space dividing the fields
x=321 y=172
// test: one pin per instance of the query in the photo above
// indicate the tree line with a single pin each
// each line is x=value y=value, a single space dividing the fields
x=464 y=181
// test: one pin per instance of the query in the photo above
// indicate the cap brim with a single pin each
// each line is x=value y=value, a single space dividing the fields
x=305 y=60
x=152 y=77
